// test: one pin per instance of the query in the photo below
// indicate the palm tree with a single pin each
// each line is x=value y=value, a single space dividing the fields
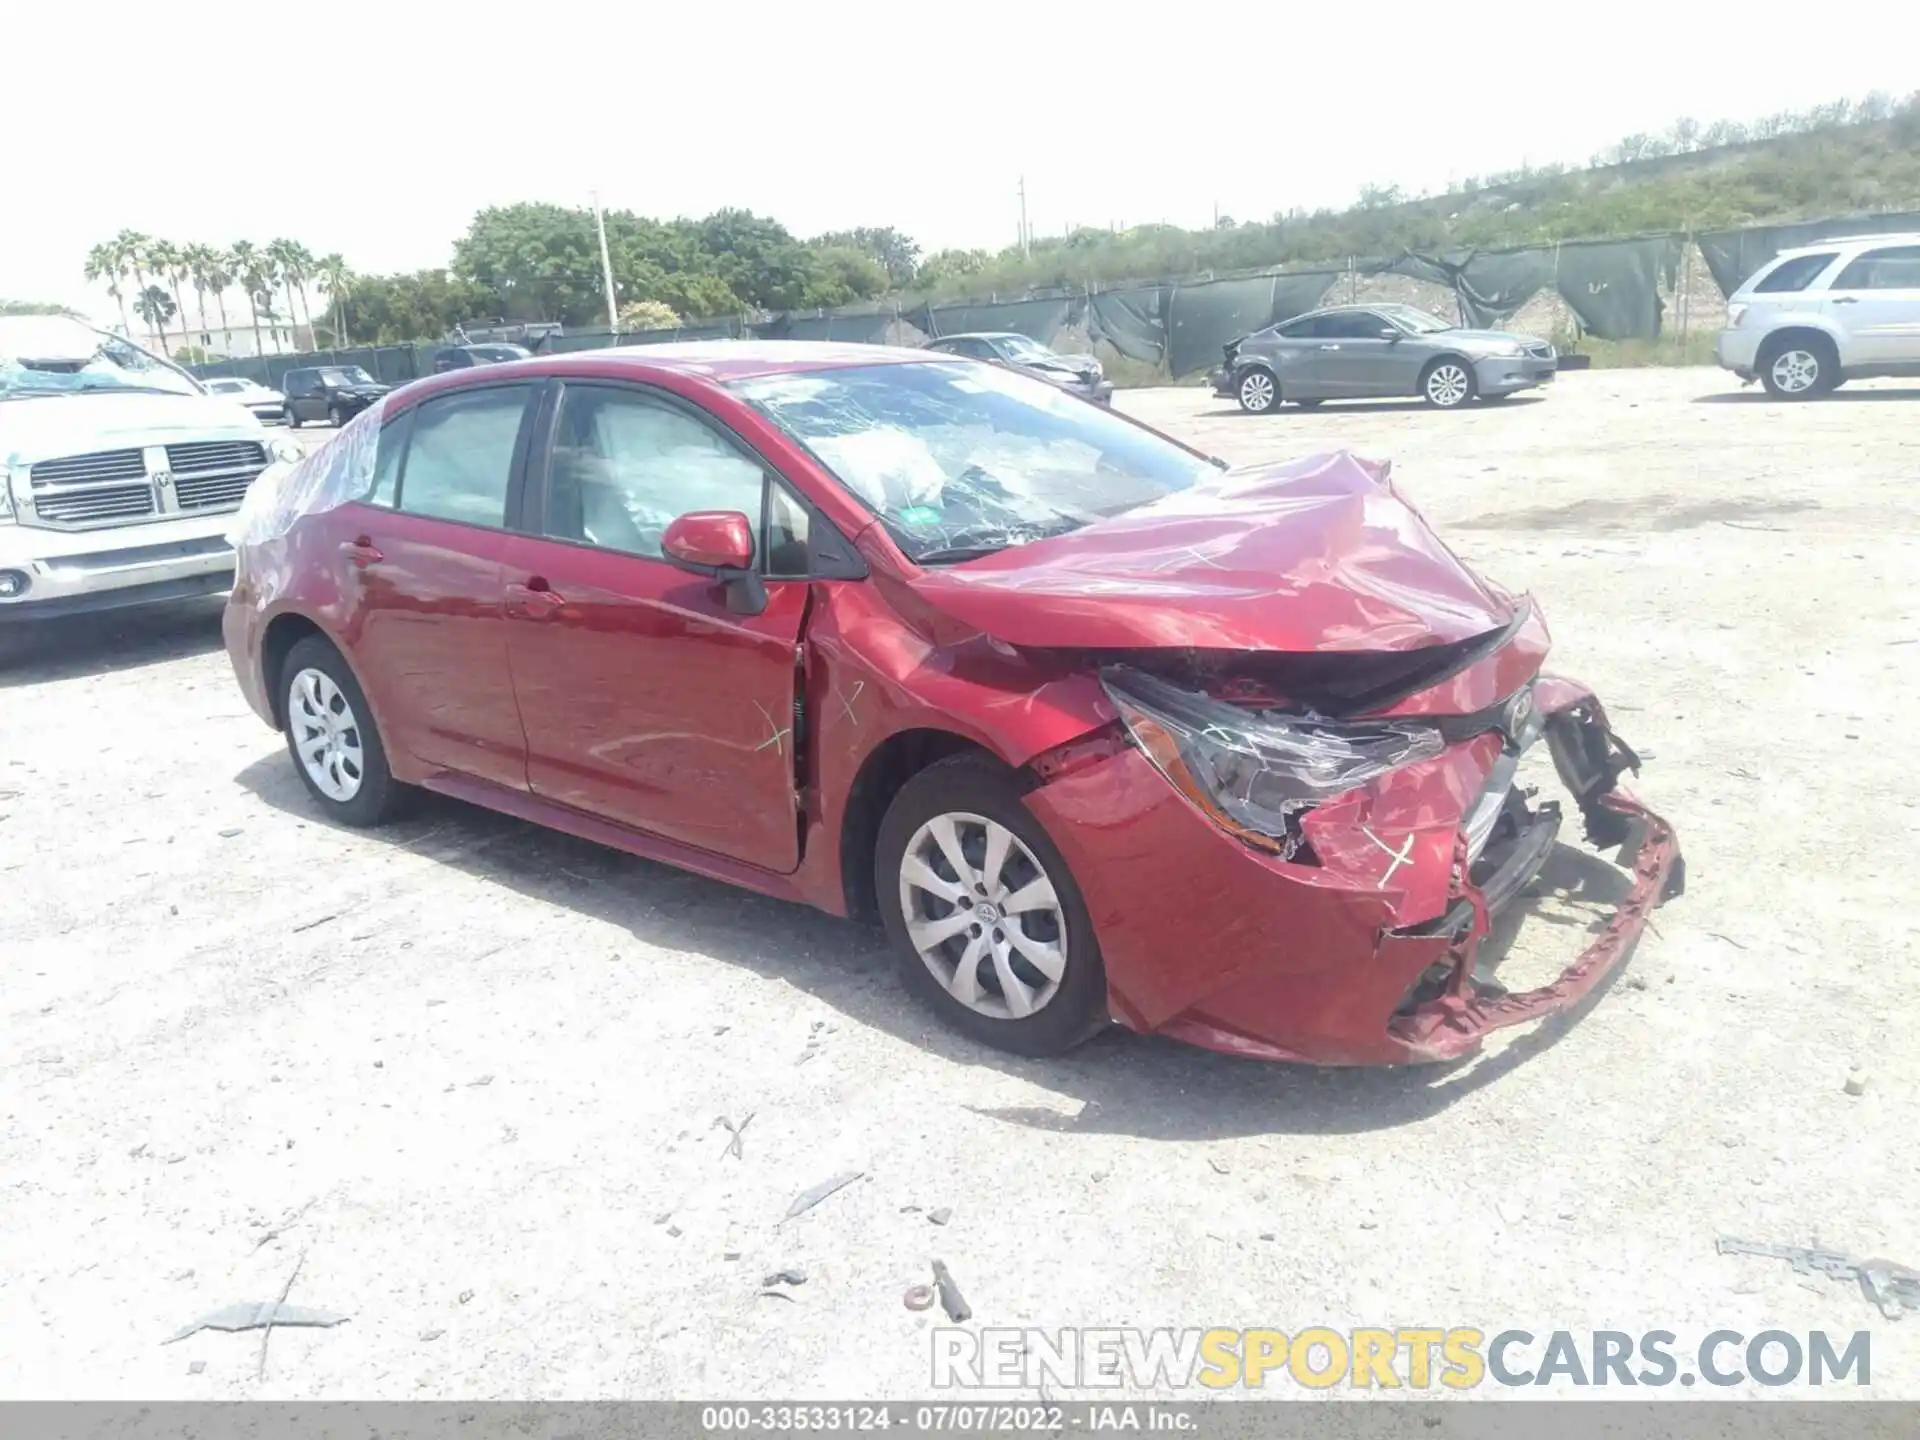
x=103 y=264
x=198 y=260
x=337 y=280
x=249 y=269
x=165 y=258
x=153 y=306
x=130 y=246
x=219 y=277
x=285 y=256
x=301 y=267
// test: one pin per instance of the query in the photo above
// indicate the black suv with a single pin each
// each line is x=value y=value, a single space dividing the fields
x=334 y=393
x=465 y=357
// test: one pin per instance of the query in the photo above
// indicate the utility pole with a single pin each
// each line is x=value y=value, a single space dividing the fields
x=606 y=265
x=1026 y=247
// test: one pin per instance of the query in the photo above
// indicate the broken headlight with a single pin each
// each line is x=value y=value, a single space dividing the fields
x=1255 y=772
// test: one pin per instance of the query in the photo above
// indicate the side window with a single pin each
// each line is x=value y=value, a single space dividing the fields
x=626 y=466
x=974 y=349
x=789 y=533
x=1350 y=325
x=1795 y=275
x=460 y=455
x=1302 y=329
x=1896 y=267
x=386 y=462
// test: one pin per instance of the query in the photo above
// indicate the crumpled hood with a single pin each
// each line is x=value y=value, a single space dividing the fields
x=1316 y=554
x=52 y=425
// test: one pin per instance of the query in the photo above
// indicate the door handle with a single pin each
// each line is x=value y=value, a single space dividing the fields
x=1329 y=347
x=1846 y=299
x=361 y=552
x=535 y=600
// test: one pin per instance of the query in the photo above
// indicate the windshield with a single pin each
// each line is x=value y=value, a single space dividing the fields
x=1419 y=322
x=1025 y=349
x=499 y=352
x=347 y=375
x=961 y=460
x=57 y=355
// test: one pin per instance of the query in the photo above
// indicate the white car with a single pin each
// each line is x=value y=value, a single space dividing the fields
x=119 y=473
x=1820 y=315
x=269 y=407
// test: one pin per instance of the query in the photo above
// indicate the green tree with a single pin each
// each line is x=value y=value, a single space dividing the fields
x=336 y=281
x=896 y=253
x=167 y=263
x=154 y=306
x=289 y=259
x=648 y=315
x=130 y=252
x=32 y=307
x=105 y=266
x=250 y=271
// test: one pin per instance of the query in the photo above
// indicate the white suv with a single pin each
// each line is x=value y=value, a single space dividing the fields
x=1815 y=317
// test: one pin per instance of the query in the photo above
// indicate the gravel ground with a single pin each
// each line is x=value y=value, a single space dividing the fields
x=466 y=1076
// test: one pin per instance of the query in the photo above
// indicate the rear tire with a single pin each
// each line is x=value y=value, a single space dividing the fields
x=1448 y=383
x=331 y=735
x=1257 y=389
x=1027 y=979
x=1799 y=367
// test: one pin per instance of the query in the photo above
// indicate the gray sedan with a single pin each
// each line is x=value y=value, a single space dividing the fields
x=1348 y=352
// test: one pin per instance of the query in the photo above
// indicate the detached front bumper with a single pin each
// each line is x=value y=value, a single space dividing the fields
x=1368 y=957
x=49 y=573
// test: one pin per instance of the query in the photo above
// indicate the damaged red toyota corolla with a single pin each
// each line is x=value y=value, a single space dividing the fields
x=1099 y=729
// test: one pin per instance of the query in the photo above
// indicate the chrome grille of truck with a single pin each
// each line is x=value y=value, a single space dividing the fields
x=100 y=488
x=214 y=475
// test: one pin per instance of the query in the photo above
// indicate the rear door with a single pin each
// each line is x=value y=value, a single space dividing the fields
x=426 y=621
x=646 y=700
x=1293 y=351
x=301 y=387
x=1875 y=300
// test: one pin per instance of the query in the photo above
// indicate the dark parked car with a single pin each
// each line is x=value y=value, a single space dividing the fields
x=465 y=357
x=334 y=393
x=1080 y=375
x=1099 y=730
x=1348 y=352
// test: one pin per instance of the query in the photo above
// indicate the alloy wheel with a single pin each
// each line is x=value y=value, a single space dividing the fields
x=983 y=915
x=326 y=735
x=1448 y=385
x=1256 y=391
x=1796 y=371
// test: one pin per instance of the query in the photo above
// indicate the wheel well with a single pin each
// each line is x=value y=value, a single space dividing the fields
x=283 y=633
x=1438 y=360
x=893 y=762
x=1799 y=335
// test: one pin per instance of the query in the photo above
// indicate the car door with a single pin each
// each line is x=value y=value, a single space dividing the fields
x=1875 y=302
x=1292 y=349
x=300 y=387
x=421 y=560
x=1353 y=359
x=647 y=701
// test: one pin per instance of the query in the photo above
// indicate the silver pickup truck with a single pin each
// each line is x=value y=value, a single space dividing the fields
x=119 y=473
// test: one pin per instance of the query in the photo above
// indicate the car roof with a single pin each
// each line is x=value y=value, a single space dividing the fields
x=1891 y=237
x=724 y=360
x=984 y=335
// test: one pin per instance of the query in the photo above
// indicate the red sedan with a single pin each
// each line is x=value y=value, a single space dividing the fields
x=1098 y=728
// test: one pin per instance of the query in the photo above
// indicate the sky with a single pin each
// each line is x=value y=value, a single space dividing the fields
x=216 y=123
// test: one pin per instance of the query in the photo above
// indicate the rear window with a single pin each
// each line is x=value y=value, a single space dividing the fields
x=1795 y=274
x=1895 y=268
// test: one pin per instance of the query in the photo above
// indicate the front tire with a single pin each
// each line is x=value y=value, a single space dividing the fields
x=336 y=415
x=331 y=735
x=987 y=924
x=1257 y=390
x=293 y=420
x=1799 y=368
x=1448 y=383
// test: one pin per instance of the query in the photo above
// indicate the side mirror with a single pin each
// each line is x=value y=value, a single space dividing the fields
x=719 y=545
x=1387 y=332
